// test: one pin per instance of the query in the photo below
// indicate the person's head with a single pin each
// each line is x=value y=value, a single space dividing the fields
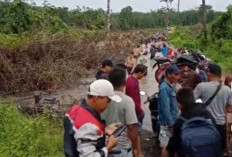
x=185 y=99
x=120 y=65
x=117 y=77
x=214 y=72
x=101 y=92
x=107 y=65
x=172 y=74
x=140 y=71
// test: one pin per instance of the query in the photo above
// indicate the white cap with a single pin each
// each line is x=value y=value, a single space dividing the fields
x=103 y=88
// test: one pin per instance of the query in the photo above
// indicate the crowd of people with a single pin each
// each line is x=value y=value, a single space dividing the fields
x=191 y=122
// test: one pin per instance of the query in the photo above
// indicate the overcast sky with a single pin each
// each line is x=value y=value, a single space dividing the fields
x=137 y=5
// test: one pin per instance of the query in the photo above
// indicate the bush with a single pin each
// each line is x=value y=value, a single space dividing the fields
x=218 y=51
x=23 y=136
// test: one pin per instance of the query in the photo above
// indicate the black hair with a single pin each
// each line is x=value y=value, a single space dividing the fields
x=140 y=68
x=215 y=69
x=117 y=77
x=107 y=62
x=185 y=97
x=120 y=65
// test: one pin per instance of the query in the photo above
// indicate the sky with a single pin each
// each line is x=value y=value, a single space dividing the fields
x=137 y=5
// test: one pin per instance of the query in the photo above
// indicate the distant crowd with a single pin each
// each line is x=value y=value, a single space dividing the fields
x=191 y=122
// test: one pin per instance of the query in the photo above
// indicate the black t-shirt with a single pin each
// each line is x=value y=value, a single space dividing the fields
x=174 y=144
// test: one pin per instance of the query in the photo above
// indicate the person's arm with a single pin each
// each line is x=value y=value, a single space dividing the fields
x=197 y=92
x=229 y=101
x=135 y=140
x=132 y=126
x=87 y=147
x=165 y=106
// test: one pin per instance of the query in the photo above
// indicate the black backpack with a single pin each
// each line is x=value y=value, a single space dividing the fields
x=200 y=138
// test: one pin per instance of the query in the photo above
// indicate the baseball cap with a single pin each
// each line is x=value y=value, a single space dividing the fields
x=172 y=69
x=215 y=69
x=103 y=88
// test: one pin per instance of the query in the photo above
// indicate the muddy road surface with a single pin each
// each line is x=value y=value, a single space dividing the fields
x=149 y=85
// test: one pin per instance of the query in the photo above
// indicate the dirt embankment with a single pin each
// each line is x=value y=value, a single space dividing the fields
x=51 y=64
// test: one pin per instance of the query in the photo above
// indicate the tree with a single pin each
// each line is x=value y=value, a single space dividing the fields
x=108 y=15
x=178 y=6
x=19 y=20
x=204 y=30
x=168 y=4
x=168 y=9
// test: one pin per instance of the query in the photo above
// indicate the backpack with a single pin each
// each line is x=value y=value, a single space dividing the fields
x=200 y=138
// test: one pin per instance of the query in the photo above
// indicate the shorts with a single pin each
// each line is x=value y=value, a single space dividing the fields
x=164 y=136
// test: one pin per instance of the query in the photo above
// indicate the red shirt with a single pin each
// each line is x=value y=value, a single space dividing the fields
x=132 y=90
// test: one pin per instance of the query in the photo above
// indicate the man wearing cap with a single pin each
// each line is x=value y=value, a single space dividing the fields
x=104 y=71
x=168 y=109
x=84 y=130
x=217 y=107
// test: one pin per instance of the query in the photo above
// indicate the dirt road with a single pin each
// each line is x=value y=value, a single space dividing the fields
x=150 y=86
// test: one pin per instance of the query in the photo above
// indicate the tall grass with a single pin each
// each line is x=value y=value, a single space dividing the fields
x=23 y=136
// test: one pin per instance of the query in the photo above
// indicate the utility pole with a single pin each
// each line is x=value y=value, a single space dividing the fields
x=204 y=30
x=108 y=15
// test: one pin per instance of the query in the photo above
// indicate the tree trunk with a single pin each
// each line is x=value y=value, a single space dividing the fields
x=178 y=7
x=204 y=18
x=108 y=15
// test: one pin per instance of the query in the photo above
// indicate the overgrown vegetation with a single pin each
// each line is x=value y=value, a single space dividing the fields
x=17 y=16
x=60 y=59
x=23 y=136
x=217 y=46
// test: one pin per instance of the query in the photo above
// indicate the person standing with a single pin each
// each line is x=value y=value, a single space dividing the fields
x=107 y=65
x=84 y=131
x=133 y=89
x=167 y=105
x=190 y=110
x=124 y=113
x=223 y=97
x=165 y=50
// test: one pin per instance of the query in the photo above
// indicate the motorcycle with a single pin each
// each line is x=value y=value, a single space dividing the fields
x=153 y=107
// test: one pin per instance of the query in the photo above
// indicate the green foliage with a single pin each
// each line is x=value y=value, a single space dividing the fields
x=182 y=39
x=22 y=136
x=218 y=51
x=19 y=17
x=19 y=20
x=222 y=27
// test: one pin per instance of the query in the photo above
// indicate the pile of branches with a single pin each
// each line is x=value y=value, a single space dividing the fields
x=51 y=64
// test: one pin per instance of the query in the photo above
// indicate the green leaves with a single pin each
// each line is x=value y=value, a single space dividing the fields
x=22 y=136
x=222 y=27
